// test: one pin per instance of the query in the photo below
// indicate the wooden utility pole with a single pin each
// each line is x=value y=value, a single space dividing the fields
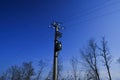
x=57 y=48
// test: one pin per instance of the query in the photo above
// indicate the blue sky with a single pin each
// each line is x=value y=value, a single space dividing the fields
x=25 y=34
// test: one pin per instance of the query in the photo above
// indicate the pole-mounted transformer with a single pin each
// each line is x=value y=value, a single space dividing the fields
x=57 y=48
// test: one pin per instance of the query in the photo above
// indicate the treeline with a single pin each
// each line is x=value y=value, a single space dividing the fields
x=24 y=72
x=86 y=67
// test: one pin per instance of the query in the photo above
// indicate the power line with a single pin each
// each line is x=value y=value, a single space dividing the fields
x=95 y=17
x=88 y=9
x=97 y=8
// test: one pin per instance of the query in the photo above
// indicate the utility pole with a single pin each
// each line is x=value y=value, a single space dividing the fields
x=57 y=48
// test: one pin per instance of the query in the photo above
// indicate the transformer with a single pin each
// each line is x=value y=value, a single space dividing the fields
x=58 y=46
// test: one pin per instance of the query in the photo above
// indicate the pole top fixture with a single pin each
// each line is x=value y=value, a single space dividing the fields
x=57 y=24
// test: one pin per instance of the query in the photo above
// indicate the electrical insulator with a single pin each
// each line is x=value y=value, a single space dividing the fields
x=58 y=46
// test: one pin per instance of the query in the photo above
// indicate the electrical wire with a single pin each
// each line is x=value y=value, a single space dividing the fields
x=95 y=17
x=91 y=11
x=85 y=11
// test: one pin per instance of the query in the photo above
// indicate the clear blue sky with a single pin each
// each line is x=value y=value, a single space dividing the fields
x=25 y=36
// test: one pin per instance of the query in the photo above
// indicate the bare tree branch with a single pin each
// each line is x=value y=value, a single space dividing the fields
x=89 y=55
x=107 y=58
x=74 y=64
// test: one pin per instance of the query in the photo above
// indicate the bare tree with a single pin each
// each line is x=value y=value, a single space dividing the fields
x=107 y=58
x=13 y=73
x=24 y=72
x=50 y=75
x=89 y=75
x=42 y=65
x=4 y=76
x=69 y=76
x=89 y=55
x=74 y=64
x=27 y=71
